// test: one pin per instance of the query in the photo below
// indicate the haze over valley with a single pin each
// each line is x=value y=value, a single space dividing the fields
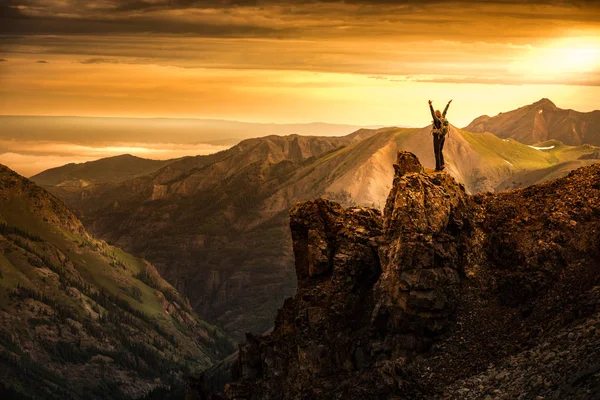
x=31 y=144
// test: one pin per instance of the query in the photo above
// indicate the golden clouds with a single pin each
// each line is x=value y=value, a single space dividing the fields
x=298 y=61
x=64 y=87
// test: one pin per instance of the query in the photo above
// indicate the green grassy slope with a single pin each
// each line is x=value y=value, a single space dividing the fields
x=82 y=319
x=536 y=176
x=545 y=161
x=362 y=172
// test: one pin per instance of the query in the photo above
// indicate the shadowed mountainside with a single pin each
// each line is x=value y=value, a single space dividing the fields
x=80 y=319
x=445 y=295
x=542 y=121
x=216 y=226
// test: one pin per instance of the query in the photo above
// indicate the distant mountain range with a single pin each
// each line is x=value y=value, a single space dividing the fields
x=112 y=169
x=81 y=319
x=216 y=226
x=155 y=130
x=542 y=121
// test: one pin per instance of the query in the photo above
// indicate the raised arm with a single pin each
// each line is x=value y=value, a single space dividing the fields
x=432 y=112
x=446 y=109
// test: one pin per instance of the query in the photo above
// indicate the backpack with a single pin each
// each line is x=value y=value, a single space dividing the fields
x=445 y=126
x=444 y=130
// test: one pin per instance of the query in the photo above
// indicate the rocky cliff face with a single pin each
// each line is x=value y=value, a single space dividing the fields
x=421 y=254
x=445 y=295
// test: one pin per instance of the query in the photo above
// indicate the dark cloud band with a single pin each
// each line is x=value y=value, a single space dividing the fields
x=271 y=18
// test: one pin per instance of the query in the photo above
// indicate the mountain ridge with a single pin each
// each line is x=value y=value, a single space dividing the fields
x=82 y=319
x=194 y=219
x=542 y=121
x=110 y=169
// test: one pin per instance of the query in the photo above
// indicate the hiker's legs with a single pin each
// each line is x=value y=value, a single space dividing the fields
x=436 y=150
x=442 y=141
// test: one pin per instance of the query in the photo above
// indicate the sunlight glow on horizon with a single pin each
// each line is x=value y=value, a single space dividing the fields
x=31 y=157
x=62 y=88
x=561 y=59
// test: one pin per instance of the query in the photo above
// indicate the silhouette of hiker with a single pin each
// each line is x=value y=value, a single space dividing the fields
x=439 y=131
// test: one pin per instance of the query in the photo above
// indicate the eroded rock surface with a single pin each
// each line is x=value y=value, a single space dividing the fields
x=422 y=251
x=445 y=295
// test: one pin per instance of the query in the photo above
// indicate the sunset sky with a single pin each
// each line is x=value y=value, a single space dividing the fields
x=356 y=62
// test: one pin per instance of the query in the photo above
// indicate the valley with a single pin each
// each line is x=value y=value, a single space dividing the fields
x=81 y=319
x=216 y=226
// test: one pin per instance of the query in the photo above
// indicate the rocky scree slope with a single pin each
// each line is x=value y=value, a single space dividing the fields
x=80 y=319
x=444 y=296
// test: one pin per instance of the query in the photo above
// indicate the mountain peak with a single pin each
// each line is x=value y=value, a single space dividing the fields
x=110 y=169
x=544 y=101
x=125 y=156
x=542 y=121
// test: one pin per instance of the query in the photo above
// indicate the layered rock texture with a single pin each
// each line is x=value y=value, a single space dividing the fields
x=445 y=295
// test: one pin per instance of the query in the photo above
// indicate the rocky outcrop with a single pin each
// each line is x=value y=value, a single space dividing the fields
x=445 y=295
x=422 y=255
x=337 y=266
x=370 y=290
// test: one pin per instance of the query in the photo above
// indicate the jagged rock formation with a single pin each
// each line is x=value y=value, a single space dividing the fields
x=421 y=255
x=444 y=296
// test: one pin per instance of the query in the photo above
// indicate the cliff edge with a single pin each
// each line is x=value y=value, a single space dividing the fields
x=445 y=295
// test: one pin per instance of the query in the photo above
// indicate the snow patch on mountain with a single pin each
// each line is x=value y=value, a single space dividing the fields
x=542 y=148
